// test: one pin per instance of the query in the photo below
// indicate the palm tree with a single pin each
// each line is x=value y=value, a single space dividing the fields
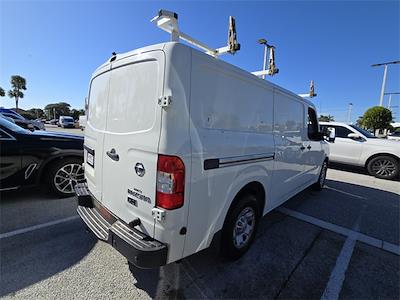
x=18 y=83
x=2 y=93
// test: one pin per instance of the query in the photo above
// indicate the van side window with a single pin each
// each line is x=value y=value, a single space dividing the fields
x=289 y=116
x=312 y=124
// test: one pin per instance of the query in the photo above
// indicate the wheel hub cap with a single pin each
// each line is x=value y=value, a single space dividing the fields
x=323 y=174
x=244 y=227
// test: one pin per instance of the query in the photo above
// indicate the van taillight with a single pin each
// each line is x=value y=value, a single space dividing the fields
x=170 y=182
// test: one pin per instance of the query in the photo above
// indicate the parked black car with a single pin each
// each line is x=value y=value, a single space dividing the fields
x=20 y=120
x=28 y=158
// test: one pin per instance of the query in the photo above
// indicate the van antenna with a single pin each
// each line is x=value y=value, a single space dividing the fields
x=312 y=93
x=269 y=52
x=168 y=21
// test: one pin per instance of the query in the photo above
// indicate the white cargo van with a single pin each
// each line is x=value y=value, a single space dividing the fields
x=183 y=149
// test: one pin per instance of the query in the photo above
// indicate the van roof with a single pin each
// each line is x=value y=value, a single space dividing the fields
x=169 y=45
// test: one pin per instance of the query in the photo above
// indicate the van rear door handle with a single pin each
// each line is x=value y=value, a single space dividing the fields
x=113 y=155
x=309 y=147
x=302 y=148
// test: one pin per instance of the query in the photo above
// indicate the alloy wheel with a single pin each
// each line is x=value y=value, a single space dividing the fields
x=383 y=167
x=67 y=177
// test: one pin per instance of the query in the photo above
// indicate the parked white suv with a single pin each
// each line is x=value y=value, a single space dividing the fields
x=358 y=147
x=183 y=149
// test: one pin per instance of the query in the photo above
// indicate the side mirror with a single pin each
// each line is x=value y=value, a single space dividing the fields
x=354 y=136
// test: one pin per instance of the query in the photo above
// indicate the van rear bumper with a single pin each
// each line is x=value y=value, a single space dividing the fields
x=139 y=248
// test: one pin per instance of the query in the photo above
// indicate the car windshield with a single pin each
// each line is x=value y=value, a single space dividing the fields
x=364 y=132
x=69 y=119
x=11 y=126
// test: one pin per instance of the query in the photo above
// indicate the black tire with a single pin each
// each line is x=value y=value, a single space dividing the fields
x=384 y=167
x=56 y=185
x=319 y=185
x=229 y=249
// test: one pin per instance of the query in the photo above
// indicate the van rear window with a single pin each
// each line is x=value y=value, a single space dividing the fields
x=133 y=97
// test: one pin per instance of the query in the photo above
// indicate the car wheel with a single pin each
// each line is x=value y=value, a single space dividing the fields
x=240 y=227
x=64 y=175
x=384 y=167
x=319 y=185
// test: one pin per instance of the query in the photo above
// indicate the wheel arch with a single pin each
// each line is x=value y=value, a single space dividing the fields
x=254 y=187
x=49 y=162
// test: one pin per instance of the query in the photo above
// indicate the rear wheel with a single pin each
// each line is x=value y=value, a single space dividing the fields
x=64 y=175
x=385 y=167
x=240 y=227
x=319 y=185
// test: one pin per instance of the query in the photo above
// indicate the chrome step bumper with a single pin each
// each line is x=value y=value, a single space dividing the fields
x=139 y=248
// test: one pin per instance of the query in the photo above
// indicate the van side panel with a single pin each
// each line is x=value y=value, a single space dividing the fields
x=231 y=120
x=175 y=140
x=290 y=131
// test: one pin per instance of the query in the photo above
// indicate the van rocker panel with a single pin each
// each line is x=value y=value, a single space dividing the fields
x=140 y=249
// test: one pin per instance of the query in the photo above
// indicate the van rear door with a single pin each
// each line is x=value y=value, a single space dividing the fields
x=131 y=137
x=94 y=131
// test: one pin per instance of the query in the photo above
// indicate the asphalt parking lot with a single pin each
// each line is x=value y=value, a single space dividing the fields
x=342 y=243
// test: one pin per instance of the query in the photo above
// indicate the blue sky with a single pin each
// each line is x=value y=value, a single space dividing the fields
x=56 y=45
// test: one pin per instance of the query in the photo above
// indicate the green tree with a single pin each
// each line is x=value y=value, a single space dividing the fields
x=2 y=92
x=33 y=113
x=328 y=118
x=75 y=113
x=18 y=84
x=377 y=117
x=60 y=109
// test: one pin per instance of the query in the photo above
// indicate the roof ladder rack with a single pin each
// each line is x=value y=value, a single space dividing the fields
x=269 y=51
x=168 y=21
x=311 y=94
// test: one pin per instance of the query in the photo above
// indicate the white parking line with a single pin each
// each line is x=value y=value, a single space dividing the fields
x=337 y=277
x=36 y=227
x=345 y=193
x=395 y=249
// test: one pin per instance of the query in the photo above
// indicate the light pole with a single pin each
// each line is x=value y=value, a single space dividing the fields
x=384 y=77
x=390 y=98
x=349 y=113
